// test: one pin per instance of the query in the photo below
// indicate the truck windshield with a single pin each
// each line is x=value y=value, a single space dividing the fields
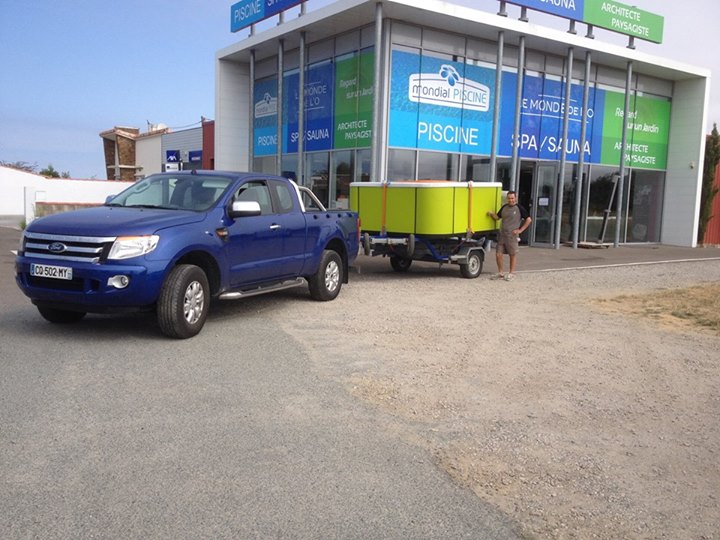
x=177 y=192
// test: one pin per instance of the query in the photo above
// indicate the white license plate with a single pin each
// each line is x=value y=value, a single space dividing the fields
x=54 y=272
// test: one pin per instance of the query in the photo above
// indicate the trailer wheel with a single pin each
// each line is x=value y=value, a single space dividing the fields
x=60 y=316
x=184 y=301
x=400 y=264
x=473 y=267
x=325 y=284
x=411 y=245
x=366 y=243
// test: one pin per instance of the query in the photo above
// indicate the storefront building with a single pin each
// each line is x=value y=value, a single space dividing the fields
x=395 y=91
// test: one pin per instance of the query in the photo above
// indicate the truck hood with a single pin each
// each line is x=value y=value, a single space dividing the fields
x=113 y=221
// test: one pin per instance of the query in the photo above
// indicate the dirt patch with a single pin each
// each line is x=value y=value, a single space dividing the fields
x=691 y=308
x=546 y=396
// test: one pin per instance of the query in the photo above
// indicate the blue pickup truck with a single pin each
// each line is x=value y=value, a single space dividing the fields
x=173 y=241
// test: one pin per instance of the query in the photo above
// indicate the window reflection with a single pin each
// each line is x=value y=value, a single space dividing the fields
x=317 y=168
x=437 y=166
x=343 y=168
x=401 y=165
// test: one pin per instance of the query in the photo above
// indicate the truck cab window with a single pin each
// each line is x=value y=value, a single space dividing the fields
x=256 y=191
x=283 y=198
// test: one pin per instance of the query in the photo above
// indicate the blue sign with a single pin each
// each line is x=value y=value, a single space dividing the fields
x=447 y=106
x=442 y=105
x=172 y=156
x=542 y=108
x=265 y=106
x=195 y=156
x=247 y=12
x=569 y=9
x=319 y=101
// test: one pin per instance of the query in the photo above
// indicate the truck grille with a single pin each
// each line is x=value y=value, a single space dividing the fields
x=57 y=247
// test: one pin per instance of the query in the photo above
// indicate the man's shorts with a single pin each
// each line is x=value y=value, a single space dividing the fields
x=507 y=244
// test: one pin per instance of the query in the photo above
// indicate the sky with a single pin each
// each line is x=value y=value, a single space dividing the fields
x=70 y=69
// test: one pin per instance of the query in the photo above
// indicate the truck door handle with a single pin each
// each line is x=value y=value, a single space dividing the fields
x=274 y=227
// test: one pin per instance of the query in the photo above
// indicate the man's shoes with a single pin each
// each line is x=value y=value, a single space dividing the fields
x=509 y=277
x=498 y=276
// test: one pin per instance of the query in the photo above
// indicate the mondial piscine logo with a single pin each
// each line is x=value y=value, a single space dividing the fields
x=267 y=106
x=447 y=88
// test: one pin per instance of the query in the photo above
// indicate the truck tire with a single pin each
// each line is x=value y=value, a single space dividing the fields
x=400 y=264
x=60 y=316
x=473 y=267
x=183 y=303
x=325 y=284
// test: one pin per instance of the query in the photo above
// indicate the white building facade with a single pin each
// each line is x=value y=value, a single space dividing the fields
x=394 y=91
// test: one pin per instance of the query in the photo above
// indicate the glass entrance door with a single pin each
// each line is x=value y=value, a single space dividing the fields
x=543 y=209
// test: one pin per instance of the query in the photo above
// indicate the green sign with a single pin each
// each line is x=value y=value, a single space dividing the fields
x=354 y=83
x=605 y=14
x=648 y=126
x=624 y=19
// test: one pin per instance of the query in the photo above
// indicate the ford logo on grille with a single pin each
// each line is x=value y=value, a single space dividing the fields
x=57 y=247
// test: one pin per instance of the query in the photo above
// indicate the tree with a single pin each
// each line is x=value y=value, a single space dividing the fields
x=20 y=166
x=712 y=157
x=50 y=172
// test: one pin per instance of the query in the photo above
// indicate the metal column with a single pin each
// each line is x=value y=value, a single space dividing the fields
x=281 y=69
x=301 y=114
x=515 y=169
x=621 y=180
x=563 y=148
x=496 y=106
x=581 y=158
x=251 y=150
x=376 y=153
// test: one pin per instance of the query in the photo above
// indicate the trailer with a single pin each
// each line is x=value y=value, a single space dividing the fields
x=432 y=221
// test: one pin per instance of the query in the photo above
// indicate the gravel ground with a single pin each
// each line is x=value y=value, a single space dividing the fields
x=576 y=421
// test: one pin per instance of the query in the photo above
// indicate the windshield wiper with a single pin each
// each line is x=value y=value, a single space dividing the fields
x=153 y=206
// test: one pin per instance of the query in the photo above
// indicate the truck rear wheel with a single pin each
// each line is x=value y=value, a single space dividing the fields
x=184 y=301
x=326 y=282
x=60 y=316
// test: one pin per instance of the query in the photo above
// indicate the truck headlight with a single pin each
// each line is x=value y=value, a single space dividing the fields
x=126 y=247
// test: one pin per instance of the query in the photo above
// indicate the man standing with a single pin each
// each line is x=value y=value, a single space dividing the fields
x=515 y=220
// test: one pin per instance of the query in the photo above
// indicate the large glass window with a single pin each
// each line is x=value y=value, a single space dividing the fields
x=401 y=165
x=475 y=168
x=363 y=164
x=343 y=168
x=317 y=169
x=289 y=166
x=437 y=166
x=504 y=168
x=602 y=197
x=568 y=202
x=265 y=164
x=645 y=206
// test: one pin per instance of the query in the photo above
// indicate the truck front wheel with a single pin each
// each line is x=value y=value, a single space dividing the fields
x=326 y=282
x=184 y=301
x=60 y=316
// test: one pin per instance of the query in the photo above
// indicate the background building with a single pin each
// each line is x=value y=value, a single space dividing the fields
x=130 y=155
x=394 y=90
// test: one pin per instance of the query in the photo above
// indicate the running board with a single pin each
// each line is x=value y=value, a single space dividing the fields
x=289 y=284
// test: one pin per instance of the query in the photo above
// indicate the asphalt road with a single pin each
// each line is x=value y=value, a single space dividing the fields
x=110 y=430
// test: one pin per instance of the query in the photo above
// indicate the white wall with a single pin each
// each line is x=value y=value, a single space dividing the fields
x=12 y=187
x=232 y=116
x=19 y=191
x=148 y=152
x=686 y=150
